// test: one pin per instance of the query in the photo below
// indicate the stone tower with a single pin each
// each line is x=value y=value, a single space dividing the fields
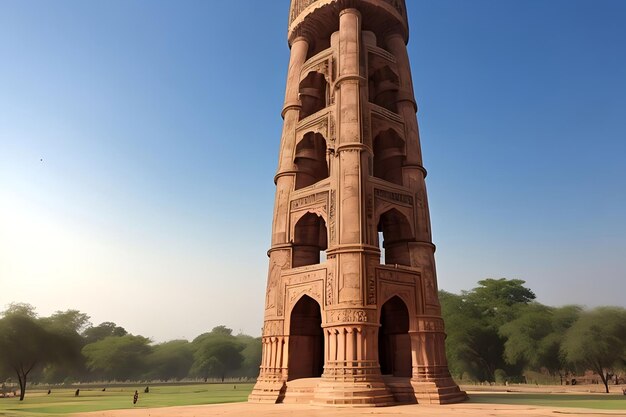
x=352 y=315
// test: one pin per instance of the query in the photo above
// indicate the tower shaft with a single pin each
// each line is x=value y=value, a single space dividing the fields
x=352 y=315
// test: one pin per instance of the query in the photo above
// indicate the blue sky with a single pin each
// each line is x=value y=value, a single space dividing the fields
x=139 y=139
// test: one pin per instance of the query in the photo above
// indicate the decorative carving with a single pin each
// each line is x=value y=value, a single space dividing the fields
x=279 y=260
x=430 y=324
x=402 y=290
x=313 y=291
x=350 y=315
x=394 y=196
x=397 y=276
x=331 y=127
x=298 y=6
x=332 y=214
x=273 y=328
x=330 y=281
x=422 y=211
x=305 y=278
x=308 y=200
x=423 y=258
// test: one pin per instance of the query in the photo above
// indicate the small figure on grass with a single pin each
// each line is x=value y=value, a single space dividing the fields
x=77 y=393
x=49 y=391
x=135 y=397
x=104 y=389
x=147 y=390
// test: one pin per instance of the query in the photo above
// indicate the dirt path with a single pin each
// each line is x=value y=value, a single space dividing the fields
x=296 y=410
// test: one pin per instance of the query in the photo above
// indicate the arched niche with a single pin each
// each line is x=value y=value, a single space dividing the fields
x=306 y=340
x=313 y=93
x=310 y=239
x=395 y=230
x=310 y=160
x=389 y=153
x=383 y=88
x=394 y=343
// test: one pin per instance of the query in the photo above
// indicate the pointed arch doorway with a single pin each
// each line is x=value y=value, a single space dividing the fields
x=394 y=343
x=306 y=340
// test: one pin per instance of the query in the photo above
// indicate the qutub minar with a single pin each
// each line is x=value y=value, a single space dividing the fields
x=352 y=315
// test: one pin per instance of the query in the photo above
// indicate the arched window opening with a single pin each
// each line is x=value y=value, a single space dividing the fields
x=394 y=343
x=306 y=340
x=312 y=94
x=310 y=160
x=396 y=233
x=383 y=88
x=310 y=239
x=388 y=156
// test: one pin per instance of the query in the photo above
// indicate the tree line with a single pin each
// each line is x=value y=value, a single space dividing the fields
x=65 y=347
x=497 y=331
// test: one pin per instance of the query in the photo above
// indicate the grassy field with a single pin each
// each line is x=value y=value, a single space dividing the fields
x=62 y=401
x=594 y=401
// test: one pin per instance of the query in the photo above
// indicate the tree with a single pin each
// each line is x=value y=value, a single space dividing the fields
x=70 y=324
x=251 y=353
x=534 y=338
x=101 y=331
x=27 y=343
x=170 y=360
x=118 y=357
x=216 y=353
x=473 y=319
x=596 y=341
x=499 y=300
x=222 y=331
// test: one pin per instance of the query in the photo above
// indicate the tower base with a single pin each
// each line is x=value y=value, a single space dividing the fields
x=352 y=393
x=444 y=391
x=386 y=392
x=268 y=391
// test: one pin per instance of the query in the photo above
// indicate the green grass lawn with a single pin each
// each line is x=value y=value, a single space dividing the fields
x=62 y=401
x=595 y=401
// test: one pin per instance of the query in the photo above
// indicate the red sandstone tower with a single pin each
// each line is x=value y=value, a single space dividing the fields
x=352 y=315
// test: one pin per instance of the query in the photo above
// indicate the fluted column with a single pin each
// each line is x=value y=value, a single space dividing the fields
x=350 y=171
x=291 y=113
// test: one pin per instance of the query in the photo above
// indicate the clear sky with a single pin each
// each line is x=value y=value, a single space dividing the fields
x=139 y=139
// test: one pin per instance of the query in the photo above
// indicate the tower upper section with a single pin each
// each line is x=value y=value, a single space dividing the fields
x=318 y=19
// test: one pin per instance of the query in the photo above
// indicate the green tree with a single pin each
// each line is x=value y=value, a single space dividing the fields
x=170 y=360
x=70 y=324
x=222 y=331
x=26 y=344
x=118 y=357
x=597 y=341
x=499 y=300
x=533 y=339
x=251 y=353
x=216 y=353
x=101 y=331
x=473 y=319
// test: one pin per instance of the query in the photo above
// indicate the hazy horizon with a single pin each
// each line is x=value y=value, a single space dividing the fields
x=139 y=140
